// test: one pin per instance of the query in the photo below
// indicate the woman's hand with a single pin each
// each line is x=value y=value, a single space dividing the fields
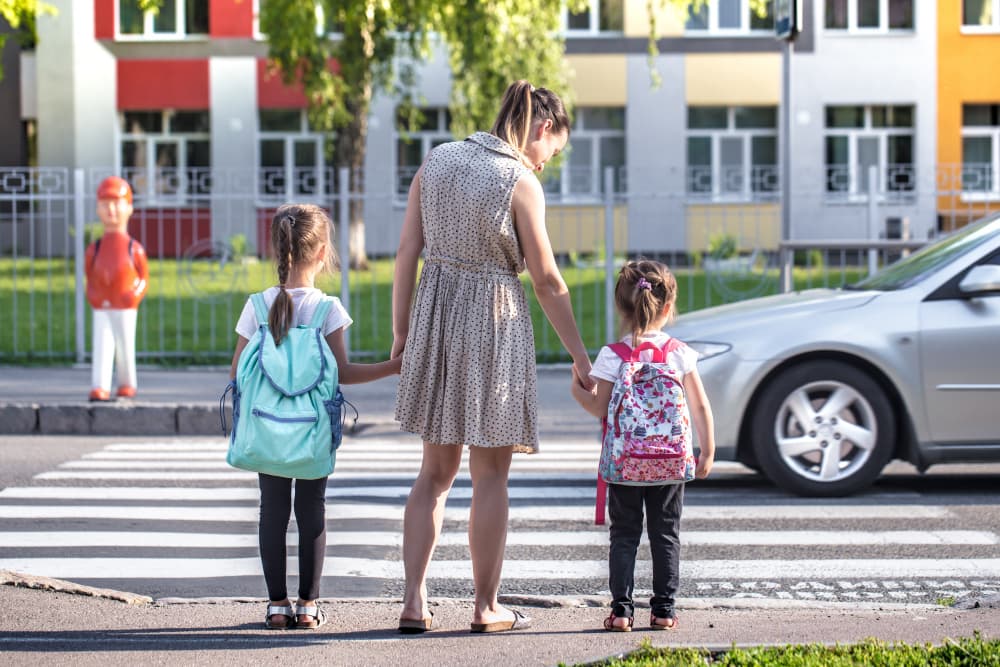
x=397 y=347
x=582 y=377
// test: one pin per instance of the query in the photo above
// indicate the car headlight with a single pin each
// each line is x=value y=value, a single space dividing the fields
x=707 y=350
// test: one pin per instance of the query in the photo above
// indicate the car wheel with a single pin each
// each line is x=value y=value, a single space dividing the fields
x=823 y=428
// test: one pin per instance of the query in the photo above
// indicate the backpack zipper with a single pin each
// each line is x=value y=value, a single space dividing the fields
x=257 y=412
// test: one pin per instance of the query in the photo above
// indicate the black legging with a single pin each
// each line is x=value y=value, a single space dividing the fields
x=310 y=515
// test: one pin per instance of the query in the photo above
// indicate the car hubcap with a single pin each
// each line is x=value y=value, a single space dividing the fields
x=825 y=431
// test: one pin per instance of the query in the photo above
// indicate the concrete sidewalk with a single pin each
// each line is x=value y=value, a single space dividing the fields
x=53 y=401
x=79 y=630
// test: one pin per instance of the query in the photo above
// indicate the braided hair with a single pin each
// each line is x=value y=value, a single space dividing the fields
x=645 y=287
x=297 y=232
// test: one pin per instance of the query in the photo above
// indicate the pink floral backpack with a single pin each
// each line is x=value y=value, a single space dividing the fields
x=647 y=433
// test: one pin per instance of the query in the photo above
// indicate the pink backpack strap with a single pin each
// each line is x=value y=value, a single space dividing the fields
x=602 y=487
x=632 y=354
x=671 y=345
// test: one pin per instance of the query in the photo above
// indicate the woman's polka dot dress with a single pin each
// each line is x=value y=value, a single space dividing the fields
x=468 y=373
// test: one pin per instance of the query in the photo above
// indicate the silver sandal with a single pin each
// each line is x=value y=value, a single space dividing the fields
x=279 y=610
x=313 y=610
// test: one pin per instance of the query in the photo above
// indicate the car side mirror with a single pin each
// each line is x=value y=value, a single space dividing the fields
x=982 y=278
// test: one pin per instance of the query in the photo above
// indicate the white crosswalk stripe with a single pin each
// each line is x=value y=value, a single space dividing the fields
x=139 y=512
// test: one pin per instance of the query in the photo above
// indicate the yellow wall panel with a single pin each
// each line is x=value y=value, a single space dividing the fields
x=753 y=225
x=598 y=80
x=669 y=20
x=733 y=79
x=581 y=228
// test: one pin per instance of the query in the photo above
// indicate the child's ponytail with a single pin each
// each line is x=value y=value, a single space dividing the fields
x=644 y=289
x=279 y=318
x=298 y=231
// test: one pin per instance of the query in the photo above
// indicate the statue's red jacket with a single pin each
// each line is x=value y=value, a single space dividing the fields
x=117 y=272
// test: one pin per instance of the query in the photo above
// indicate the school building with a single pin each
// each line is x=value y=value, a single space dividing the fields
x=184 y=106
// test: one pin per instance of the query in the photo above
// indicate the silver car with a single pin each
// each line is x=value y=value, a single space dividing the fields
x=820 y=389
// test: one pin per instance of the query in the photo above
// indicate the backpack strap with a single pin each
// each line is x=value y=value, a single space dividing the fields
x=259 y=307
x=601 y=499
x=672 y=344
x=632 y=354
x=322 y=310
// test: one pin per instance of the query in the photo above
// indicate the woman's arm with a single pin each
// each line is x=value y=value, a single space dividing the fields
x=528 y=206
x=596 y=400
x=411 y=244
x=701 y=415
x=351 y=373
x=241 y=343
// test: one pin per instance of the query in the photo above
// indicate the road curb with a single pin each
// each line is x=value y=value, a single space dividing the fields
x=10 y=578
x=117 y=418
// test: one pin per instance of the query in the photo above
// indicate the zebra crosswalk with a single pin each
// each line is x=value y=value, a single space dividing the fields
x=170 y=518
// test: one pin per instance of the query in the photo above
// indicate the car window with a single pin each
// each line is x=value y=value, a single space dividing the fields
x=928 y=259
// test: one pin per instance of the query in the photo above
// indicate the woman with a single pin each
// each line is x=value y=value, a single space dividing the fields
x=468 y=375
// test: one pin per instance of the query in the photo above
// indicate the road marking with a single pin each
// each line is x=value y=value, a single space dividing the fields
x=334 y=566
x=337 y=510
x=581 y=538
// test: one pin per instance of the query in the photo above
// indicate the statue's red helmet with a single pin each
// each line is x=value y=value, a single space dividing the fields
x=114 y=187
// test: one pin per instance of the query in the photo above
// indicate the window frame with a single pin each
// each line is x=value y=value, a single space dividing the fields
x=322 y=171
x=562 y=184
x=145 y=187
x=428 y=139
x=856 y=189
x=978 y=29
x=746 y=135
x=991 y=132
x=713 y=29
x=148 y=34
x=594 y=13
x=883 y=27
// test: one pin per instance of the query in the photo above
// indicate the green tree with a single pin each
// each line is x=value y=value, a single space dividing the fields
x=20 y=15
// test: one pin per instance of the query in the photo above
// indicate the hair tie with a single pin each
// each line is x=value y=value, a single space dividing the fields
x=644 y=284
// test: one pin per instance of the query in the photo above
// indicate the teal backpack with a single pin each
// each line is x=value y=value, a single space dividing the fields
x=287 y=403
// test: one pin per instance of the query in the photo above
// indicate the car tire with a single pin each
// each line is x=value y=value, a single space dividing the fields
x=823 y=428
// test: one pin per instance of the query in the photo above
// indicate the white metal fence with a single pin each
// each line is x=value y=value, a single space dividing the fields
x=205 y=232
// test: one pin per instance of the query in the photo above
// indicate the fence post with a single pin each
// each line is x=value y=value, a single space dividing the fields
x=872 y=217
x=609 y=254
x=78 y=256
x=344 y=241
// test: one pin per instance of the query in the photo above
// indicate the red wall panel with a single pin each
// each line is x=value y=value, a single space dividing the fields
x=230 y=18
x=170 y=232
x=104 y=19
x=272 y=93
x=163 y=84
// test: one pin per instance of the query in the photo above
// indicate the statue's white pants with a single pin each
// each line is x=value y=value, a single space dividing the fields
x=113 y=345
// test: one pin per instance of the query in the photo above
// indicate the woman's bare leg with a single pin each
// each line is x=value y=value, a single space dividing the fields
x=489 y=467
x=422 y=522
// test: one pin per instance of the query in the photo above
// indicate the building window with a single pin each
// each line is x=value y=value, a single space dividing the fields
x=599 y=16
x=596 y=142
x=869 y=15
x=981 y=15
x=981 y=149
x=175 y=19
x=413 y=147
x=727 y=17
x=292 y=157
x=861 y=137
x=732 y=153
x=166 y=156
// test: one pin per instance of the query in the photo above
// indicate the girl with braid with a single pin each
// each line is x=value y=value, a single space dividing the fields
x=301 y=246
x=644 y=297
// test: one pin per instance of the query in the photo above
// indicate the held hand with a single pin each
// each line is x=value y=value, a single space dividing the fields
x=582 y=376
x=397 y=347
x=704 y=466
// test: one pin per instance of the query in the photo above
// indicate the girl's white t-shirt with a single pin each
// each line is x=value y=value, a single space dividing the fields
x=608 y=362
x=304 y=302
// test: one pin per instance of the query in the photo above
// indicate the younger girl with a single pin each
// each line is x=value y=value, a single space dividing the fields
x=644 y=297
x=300 y=243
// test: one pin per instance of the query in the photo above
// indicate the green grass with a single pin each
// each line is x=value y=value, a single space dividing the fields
x=965 y=652
x=191 y=307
